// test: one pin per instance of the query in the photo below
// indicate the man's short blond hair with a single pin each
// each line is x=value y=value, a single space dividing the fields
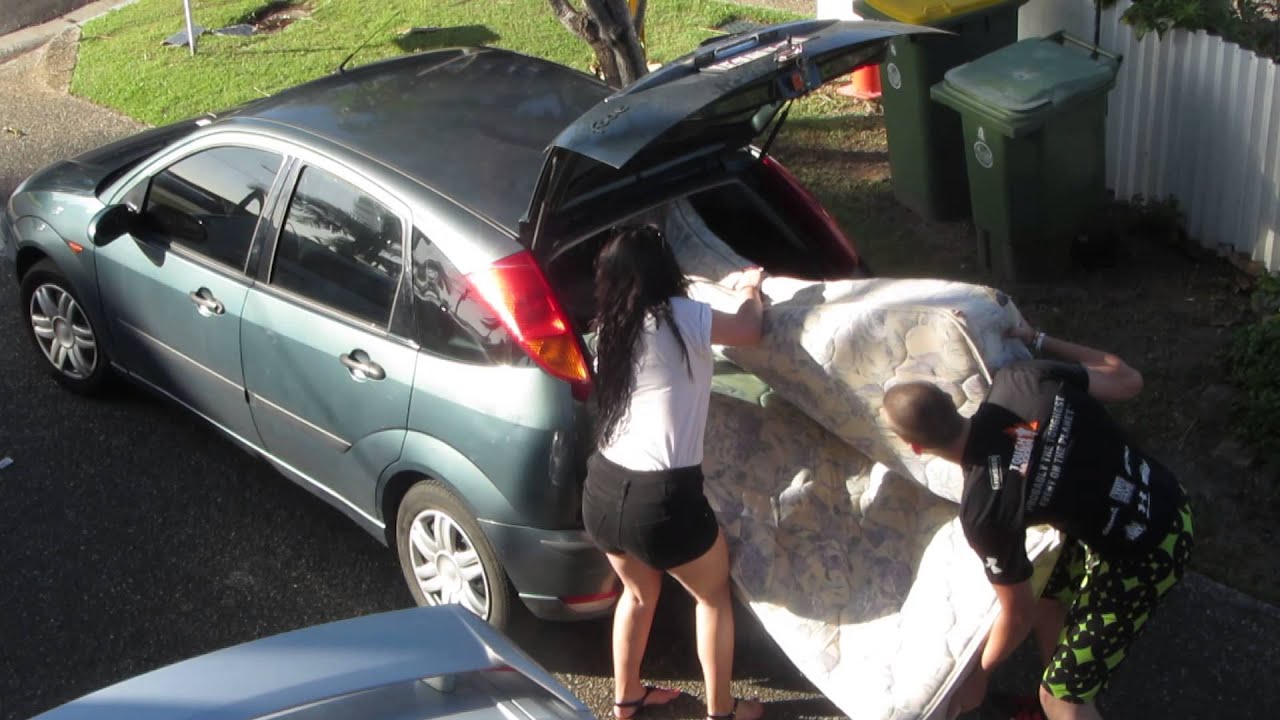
x=922 y=414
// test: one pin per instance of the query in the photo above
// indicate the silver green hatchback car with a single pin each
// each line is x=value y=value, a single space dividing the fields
x=379 y=281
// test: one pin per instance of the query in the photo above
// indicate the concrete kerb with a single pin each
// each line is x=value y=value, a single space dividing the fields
x=21 y=41
x=56 y=60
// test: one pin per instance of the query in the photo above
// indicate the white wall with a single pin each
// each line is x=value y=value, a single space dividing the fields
x=836 y=10
x=1041 y=17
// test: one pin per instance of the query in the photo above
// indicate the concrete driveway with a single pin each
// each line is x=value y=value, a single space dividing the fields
x=132 y=536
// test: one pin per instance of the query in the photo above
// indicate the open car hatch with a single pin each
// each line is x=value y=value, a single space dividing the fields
x=719 y=97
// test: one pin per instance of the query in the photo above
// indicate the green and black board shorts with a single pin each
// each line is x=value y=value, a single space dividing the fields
x=1108 y=601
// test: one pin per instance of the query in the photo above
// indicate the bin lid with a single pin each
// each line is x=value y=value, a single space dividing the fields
x=926 y=12
x=1032 y=74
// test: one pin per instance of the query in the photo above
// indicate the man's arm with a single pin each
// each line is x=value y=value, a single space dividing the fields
x=1017 y=605
x=1110 y=378
x=1012 y=625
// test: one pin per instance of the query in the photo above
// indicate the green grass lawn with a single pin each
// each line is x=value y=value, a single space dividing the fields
x=123 y=64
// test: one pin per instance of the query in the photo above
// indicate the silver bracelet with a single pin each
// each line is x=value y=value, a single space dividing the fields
x=1038 y=345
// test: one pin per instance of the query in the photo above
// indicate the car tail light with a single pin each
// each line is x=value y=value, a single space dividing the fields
x=516 y=291
x=812 y=212
x=591 y=603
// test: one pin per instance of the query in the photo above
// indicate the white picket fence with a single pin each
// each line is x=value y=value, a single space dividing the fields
x=1191 y=116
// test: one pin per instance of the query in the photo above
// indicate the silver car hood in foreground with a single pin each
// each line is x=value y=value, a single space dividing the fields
x=368 y=667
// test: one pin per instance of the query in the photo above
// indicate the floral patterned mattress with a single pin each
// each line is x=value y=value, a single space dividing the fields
x=845 y=544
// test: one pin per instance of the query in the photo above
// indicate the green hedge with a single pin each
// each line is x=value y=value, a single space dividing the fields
x=1252 y=24
x=1255 y=367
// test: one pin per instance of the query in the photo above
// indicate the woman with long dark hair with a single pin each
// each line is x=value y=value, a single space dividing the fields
x=643 y=503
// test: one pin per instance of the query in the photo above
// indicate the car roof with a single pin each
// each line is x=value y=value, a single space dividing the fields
x=471 y=123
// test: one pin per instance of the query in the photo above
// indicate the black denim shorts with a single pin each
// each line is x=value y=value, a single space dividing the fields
x=660 y=517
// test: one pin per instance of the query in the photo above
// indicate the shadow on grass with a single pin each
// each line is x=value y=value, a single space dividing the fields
x=447 y=37
x=855 y=187
x=894 y=241
x=337 y=51
x=815 y=154
x=837 y=123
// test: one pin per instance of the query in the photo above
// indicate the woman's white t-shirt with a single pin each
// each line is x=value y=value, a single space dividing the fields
x=664 y=425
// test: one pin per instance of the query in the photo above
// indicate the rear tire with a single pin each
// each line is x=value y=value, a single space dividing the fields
x=69 y=345
x=445 y=557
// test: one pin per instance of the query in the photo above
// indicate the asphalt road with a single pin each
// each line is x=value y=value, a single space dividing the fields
x=132 y=535
x=23 y=13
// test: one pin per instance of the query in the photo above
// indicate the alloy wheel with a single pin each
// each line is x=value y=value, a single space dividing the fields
x=445 y=562
x=63 y=332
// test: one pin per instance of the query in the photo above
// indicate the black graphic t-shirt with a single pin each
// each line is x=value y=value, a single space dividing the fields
x=1041 y=450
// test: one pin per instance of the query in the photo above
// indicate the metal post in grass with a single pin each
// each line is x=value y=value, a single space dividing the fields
x=191 y=32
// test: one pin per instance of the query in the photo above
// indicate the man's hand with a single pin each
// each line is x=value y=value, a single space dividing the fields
x=971 y=693
x=1110 y=378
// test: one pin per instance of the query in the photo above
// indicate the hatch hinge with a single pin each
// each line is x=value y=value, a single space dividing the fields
x=773 y=133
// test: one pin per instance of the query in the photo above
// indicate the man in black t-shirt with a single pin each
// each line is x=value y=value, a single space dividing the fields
x=1042 y=449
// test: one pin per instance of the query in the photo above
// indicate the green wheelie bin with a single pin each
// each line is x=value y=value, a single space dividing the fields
x=1034 y=122
x=924 y=139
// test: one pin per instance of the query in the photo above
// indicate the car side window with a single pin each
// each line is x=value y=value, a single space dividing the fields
x=340 y=247
x=210 y=202
x=452 y=321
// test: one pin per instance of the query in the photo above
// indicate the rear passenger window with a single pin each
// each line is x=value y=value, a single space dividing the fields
x=452 y=320
x=340 y=248
x=209 y=202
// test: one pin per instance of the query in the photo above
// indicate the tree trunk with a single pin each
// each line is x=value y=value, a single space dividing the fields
x=607 y=26
x=637 y=19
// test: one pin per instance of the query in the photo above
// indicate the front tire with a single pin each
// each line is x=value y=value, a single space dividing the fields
x=61 y=331
x=446 y=558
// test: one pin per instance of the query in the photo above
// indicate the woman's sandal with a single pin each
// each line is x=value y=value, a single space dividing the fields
x=731 y=715
x=638 y=706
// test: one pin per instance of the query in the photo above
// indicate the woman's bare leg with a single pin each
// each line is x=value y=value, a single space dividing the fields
x=707 y=579
x=632 y=618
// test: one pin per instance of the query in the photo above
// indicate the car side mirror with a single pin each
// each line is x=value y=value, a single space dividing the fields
x=110 y=223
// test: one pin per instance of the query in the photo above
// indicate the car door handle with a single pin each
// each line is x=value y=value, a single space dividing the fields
x=361 y=367
x=206 y=304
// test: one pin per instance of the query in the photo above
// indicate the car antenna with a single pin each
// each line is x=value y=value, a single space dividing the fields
x=342 y=67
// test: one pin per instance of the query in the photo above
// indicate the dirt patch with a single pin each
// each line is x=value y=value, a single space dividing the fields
x=1166 y=306
x=1171 y=315
x=276 y=16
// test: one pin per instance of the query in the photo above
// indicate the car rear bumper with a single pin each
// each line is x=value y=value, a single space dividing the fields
x=559 y=574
